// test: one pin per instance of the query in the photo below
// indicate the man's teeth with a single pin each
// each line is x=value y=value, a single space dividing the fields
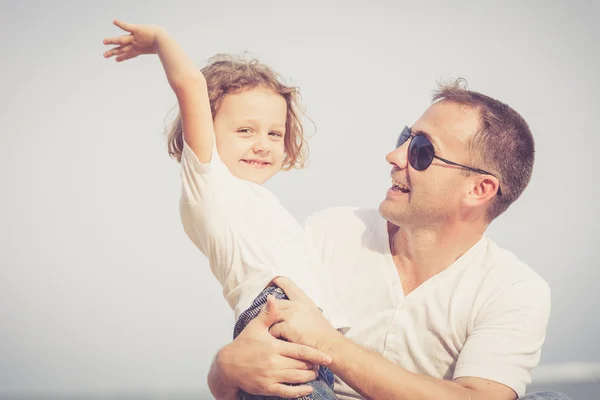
x=400 y=188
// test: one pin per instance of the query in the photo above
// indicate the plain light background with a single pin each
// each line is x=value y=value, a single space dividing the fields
x=100 y=289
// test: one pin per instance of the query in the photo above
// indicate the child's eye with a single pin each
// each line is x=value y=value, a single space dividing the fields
x=275 y=134
x=245 y=130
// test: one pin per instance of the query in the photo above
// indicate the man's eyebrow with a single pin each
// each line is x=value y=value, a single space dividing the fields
x=428 y=136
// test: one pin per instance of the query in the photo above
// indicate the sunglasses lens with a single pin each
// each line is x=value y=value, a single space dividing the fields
x=420 y=153
x=404 y=136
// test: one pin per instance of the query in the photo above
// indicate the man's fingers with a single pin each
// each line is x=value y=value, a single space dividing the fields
x=289 y=392
x=291 y=290
x=269 y=313
x=292 y=363
x=283 y=304
x=271 y=306
x=300 y=352
x=284 y=308
x=278 y=331
x=288 y=363
x=296 y=376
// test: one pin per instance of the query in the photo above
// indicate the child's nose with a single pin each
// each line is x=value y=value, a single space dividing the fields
x=261 y=144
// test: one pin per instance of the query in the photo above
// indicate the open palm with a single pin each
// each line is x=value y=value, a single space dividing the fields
x=140 y=40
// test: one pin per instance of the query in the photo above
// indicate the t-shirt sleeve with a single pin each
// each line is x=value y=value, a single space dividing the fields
x=226 y=218
x=203 y=213
x=201 y=181
x=505 y=342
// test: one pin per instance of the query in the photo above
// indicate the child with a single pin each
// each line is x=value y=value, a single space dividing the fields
x=237 y=128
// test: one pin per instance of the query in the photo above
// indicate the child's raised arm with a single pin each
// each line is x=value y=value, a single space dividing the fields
x=185 y=79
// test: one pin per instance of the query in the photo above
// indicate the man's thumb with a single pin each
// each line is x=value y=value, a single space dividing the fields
x=268 y=314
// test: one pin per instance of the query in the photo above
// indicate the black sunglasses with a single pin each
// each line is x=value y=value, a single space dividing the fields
x=421 y=153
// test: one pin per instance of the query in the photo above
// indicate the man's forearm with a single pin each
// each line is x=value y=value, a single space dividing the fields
x=367 y=372
x=375 y=377
x=217 y=386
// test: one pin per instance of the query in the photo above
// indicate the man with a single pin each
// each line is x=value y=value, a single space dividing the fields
x=438 y=311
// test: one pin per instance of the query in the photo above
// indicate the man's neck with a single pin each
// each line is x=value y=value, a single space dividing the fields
x=422 y=253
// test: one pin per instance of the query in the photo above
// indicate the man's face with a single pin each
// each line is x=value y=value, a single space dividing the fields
x=432 y=196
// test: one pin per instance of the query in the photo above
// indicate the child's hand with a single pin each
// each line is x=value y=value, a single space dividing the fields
x=142 y=39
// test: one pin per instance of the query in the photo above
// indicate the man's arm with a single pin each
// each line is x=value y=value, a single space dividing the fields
x=258 y=363
x=373 y=376
x=218 y=387
x=222 y=390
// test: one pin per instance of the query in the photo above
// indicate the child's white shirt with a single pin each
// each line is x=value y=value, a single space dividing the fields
x=249 y=238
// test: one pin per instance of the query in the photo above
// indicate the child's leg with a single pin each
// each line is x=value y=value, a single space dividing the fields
x=322 y=386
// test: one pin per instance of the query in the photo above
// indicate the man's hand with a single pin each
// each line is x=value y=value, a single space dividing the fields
x=258 y=363
x=300 y=321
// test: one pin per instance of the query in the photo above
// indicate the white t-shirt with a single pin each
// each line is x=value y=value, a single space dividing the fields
x=249 y=237
x=484 y=316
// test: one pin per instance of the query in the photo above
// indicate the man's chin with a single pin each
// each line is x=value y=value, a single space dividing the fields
x=390 y=211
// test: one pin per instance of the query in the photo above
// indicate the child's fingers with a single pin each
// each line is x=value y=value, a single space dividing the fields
x=112 y=52
x=118 y=50
x=126 y=56
x=121 y=40
x=125 y=26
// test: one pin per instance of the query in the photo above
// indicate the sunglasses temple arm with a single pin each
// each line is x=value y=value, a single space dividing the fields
x=479 y=171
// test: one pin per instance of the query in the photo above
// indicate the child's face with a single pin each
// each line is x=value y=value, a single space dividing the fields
x=249 y=128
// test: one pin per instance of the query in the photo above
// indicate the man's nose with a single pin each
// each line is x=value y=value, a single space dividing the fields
x=399 y=156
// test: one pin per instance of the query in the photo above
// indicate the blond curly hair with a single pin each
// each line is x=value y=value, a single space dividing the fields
x=227 y=74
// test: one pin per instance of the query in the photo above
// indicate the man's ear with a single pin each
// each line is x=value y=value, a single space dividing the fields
x=483 y=190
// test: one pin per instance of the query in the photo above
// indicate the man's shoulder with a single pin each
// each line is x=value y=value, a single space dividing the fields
x=504 y=267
